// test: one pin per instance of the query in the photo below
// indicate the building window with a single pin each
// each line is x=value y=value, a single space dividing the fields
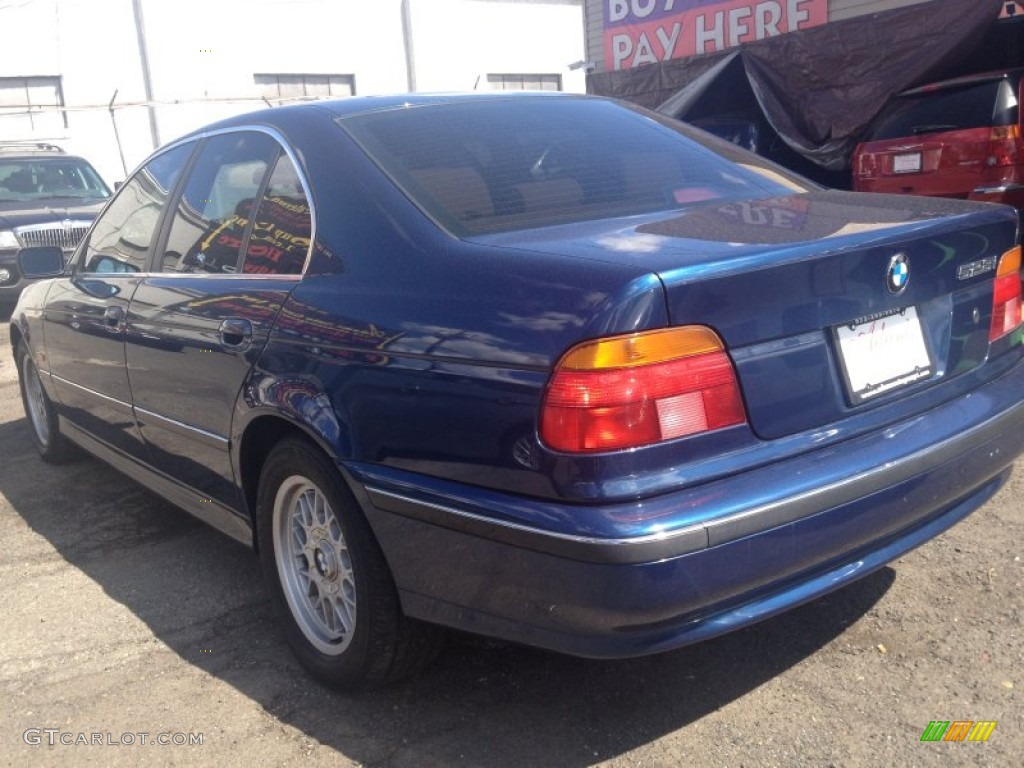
x=525 y=82
x=31 y=104
x=285 y=87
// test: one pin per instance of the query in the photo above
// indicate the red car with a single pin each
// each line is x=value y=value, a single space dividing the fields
x=957 y=138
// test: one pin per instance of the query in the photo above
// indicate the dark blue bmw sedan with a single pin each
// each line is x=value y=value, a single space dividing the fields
x=546 y=368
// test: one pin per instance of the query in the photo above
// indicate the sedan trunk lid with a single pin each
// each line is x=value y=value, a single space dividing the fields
x=819 y=320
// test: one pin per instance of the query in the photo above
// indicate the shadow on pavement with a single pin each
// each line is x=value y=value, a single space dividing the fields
x=482 y=703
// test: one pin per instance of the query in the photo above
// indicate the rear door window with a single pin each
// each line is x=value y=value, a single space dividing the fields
x=279 y=240
x=212 y=216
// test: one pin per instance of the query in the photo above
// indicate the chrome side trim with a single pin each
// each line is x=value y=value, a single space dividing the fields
x=217 y=441
x=203 y=436
x=727 y=529
x=655 y=546
x=92 y=392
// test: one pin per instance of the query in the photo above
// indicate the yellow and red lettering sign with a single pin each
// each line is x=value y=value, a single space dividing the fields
x=638 y=32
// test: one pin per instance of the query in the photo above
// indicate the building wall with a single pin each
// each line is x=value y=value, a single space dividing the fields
x=595 y=13
x=457 y=43
x=203 y=56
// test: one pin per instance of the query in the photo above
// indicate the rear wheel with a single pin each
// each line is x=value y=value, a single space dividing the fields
x=328 y=580
x=42 y=416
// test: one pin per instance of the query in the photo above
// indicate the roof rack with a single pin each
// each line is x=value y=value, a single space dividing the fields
x=27 y=147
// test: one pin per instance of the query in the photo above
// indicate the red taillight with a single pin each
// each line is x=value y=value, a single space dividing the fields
x=628 y=391
x=865 y=163
x=1004 y=146
x=1006 y=295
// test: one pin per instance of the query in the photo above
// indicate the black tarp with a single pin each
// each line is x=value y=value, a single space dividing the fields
x=816 y=90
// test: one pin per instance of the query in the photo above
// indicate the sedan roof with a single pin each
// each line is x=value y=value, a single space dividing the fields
x=360 y=105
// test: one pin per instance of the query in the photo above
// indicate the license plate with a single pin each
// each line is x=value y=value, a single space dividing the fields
x=882 y=354
x=907 y=163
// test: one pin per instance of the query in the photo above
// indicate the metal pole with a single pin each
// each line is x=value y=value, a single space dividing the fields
x=410 y=58
x=117 y=134
x=147 y=84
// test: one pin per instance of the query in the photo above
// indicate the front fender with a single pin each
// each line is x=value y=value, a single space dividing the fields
x=27 y=324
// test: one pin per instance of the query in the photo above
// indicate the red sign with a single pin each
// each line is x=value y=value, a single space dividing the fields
x=638 y=32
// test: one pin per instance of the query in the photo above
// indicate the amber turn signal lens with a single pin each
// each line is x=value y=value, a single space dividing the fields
x=1006 y=295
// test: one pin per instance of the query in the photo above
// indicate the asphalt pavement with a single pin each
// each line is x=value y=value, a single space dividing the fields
x=131 y=632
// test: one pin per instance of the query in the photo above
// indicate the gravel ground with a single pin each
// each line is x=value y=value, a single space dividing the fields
x=124 y=616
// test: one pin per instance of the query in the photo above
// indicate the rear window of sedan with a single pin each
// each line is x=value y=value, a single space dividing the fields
x=498 y=165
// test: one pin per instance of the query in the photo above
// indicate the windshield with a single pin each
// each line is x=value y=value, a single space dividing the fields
x=499 y=165
x=31 y=179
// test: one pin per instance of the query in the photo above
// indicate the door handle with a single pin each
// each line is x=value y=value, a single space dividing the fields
x=235 y=334
x=113 y=317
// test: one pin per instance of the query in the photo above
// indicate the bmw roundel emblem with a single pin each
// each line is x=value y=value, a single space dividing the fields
x=898 y=274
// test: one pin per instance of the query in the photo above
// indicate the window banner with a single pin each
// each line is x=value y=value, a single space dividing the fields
x=638 y=32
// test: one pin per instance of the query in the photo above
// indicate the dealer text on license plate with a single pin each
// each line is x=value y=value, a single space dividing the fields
x=883 y=353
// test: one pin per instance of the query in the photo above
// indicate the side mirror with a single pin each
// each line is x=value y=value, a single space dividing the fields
x=41 y=261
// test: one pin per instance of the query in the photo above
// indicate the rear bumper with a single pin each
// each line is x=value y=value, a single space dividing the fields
x=1007 y=194
x=686 y=566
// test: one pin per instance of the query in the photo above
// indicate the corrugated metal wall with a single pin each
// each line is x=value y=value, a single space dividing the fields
x=593 y=20
x=594 y=11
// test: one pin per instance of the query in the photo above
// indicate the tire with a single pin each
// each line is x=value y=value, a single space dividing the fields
x=328 y=580
x=44 y=426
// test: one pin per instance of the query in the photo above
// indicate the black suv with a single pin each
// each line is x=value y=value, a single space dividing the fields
x=47 y=197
